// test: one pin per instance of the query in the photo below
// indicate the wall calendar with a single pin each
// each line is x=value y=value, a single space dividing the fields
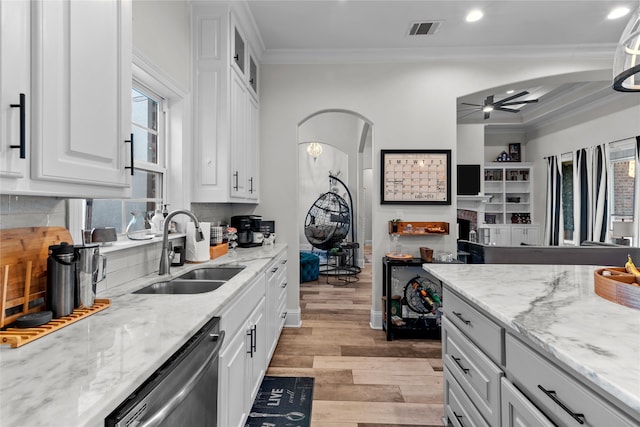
x=416 y=177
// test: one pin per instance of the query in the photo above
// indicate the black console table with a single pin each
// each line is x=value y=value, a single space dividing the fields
x=426 y=326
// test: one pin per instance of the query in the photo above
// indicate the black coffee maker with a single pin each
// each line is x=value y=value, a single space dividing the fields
x=247 y=225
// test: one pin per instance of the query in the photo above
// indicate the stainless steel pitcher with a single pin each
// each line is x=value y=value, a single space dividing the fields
x=61 y=271
x=86 y=276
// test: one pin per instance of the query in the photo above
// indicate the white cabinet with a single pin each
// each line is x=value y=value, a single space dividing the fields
x=243 y=358
x=499 y=234
x=276 y=301
x=80 y=101
x=15 y=92
x=528 y=234
x=226 y=153
x=517 y=411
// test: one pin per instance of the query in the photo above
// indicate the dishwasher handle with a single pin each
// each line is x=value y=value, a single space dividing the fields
x=177 y=399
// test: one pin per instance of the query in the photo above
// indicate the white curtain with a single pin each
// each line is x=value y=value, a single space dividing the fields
x=590 y=189
x=554 y=224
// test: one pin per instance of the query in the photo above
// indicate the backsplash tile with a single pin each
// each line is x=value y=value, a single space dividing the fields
x=32 y=211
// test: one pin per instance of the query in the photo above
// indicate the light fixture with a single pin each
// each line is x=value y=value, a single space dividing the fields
x=626 y=63
x=487 y=109
x=474 y=15
x=510 y=91
x=314 y=149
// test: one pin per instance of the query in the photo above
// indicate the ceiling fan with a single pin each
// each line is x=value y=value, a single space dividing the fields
x=490 y=105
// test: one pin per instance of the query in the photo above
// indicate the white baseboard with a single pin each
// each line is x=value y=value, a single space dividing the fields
x=294 y=319
x=375 y=320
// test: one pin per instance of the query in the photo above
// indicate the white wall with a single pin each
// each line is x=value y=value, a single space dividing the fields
x=161 y=32
x=410 y=106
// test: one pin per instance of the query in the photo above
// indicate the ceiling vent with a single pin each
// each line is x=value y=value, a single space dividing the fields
x=424 y=28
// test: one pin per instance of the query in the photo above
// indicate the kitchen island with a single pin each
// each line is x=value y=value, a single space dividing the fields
x=77 y=375
x=534 y=323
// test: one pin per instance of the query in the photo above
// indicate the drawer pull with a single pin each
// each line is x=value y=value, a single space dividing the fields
x=552 y=395
x=459 y=418
x=274 y=269
x=459 y=316
x=457 y=360
x=284 y=285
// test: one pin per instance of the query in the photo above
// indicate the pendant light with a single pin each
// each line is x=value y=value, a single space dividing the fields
x=626 y=64
x=314 y=150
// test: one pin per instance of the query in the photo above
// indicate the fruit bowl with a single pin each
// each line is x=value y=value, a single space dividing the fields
x=616 y=285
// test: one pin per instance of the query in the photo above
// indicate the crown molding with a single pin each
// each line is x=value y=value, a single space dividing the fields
x=364 y=56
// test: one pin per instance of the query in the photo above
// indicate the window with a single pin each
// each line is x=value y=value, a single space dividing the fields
x=622 y=180
x=148 y=181
x=567 y=197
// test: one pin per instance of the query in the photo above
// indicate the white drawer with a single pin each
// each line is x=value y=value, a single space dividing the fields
x=518 y=411
x=235 y=314
x=566 y=401
x=476 y=373
x=485 y=333
x=458 y=408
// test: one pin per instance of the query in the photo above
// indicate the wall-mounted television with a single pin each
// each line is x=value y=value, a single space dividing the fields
x=468 y=180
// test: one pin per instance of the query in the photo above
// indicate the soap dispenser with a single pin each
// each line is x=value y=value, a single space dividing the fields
x=158 y=221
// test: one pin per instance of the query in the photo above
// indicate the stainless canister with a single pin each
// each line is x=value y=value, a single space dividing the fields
x=87 y=269
x=61 y=267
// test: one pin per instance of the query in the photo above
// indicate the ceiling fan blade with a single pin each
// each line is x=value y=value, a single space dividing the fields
x=530 y=101
x=474 y=105
x=469 y=109
x=510 y=110
x=517 y=95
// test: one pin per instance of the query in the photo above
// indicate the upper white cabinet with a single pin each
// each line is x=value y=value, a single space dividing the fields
x=79 y=107
x=15 y=91
x=226 y=107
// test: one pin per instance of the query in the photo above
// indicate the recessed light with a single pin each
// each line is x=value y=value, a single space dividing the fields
x=474 y=15
x=618 y=12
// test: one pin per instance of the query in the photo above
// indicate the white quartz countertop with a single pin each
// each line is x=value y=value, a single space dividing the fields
x=555 y=307
x=77 y=375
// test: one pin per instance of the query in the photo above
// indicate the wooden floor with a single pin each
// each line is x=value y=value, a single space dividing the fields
x=361 y=379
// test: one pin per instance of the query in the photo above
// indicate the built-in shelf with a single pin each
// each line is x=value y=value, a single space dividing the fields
x=473 y=203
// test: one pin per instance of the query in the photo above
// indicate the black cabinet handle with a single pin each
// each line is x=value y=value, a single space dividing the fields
x=252 y=343
x=284 y=285
x=459 y=418
x=235 y=175
x=130 y=141
x=457 y=360
x=551 y=394
x=284 y=261
x=23 y=143
x=459 y=316
x=251 y=185
x=284 y=315
x=236 y=56
x=274 y=269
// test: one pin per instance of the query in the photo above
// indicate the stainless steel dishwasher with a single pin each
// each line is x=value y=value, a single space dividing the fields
x=182 y=392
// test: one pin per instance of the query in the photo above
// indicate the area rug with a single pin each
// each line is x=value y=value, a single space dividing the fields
x=282 y=402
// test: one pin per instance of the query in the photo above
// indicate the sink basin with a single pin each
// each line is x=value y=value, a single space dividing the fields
x=179 y=286
x=211 y=273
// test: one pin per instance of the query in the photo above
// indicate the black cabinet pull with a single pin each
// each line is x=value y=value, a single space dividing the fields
x=130 y=141
x=23 y=143
x=235 y=175
x=284 y=261
x=551 y=394
x=274 y=269
x=459 y=418
x=457 y=360
x=459 y=316
x=284 y=285
x=236 y=56
x=251 y=185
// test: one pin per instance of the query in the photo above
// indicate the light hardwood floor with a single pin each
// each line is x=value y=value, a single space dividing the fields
x=361 y=379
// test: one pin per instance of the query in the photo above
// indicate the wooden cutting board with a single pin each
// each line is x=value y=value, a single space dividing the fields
x=21 y=250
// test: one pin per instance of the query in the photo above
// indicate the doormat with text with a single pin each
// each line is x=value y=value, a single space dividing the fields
x=282 y=402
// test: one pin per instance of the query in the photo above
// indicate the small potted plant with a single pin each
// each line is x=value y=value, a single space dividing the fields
x=394 y=225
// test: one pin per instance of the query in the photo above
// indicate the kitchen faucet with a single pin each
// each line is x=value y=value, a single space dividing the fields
x=165 y=261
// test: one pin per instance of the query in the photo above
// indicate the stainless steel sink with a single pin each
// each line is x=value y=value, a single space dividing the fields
x=212 y=273
x=179 y=286
x=204 y=279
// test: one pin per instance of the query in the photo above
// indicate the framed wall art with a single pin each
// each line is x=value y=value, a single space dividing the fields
x=415 y=177
x=514 y=151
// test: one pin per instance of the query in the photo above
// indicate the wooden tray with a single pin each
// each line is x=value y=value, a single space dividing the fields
x=618 y=286
x=401 y=256
x=17 y=337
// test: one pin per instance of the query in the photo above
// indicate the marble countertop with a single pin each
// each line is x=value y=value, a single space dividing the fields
x=555 y=307
x=77 y=375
